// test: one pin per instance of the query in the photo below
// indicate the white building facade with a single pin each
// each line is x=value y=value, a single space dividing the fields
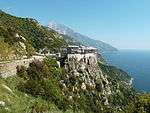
x=82 y=53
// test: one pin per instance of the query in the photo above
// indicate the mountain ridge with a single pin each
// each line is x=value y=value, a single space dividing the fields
x=77 y=37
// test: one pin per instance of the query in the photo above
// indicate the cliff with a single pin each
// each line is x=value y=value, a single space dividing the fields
x=81 y=85
x=111 y=86
x=85 y=75
x=84 y=84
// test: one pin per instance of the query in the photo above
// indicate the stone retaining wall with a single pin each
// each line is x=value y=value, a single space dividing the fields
x=8 y=68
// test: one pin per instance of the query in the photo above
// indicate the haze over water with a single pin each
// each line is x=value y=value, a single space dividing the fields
x=136 y=63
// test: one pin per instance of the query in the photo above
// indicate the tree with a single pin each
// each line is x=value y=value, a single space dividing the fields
x=30 y=50
x=41 y=82
x=5 y=50
x=140 y=105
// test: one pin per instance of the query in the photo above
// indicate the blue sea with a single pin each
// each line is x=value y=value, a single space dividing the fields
x=136 y=63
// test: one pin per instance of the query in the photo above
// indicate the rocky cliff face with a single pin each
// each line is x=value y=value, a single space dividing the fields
x=85 y=76
x=89 y=72
x=92 y=78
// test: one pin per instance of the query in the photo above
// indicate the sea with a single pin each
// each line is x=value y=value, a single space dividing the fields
x=136 y=63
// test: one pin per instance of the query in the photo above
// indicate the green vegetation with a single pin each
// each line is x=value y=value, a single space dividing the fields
x=41 y=79
x=20 y=102
x=123 y=93
x=115 y=73
x=32 y=35
x=140 y=105
x=38 y=88
x=13 y=47
x=30 y=50
x=5 y=50
x=44 y=87
x=28 y=28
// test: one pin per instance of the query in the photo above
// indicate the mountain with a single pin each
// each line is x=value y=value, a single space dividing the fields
x=23 y=36
x=83 y=86
x=77 y=37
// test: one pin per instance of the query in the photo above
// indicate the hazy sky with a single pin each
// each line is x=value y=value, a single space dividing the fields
x=122 y=23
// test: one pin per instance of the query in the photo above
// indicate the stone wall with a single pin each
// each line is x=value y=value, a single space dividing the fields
x=8 y=68
x=85 y=57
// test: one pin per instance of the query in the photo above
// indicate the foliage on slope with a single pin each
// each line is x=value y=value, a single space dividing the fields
x=35 y=35
x=115 y=73
x=20 y=102
x=140 y=105
x=40 y=80
x=43 y=79
x=5 y=50
x=123 y=93
x=16 y=101
x=13 y=46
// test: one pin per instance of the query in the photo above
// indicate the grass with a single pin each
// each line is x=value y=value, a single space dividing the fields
x=19 y=102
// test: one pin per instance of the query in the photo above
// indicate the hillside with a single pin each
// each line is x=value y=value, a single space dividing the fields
x=45 y=87
x=14 y=101
x=24 y=36
x=79 y=38
x=87 y=85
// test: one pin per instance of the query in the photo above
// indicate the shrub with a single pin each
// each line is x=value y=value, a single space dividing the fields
x=5 y=50
x=41 y=82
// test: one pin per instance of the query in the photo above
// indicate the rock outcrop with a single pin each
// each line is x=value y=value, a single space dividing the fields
x=85 y=76
x=107 y=84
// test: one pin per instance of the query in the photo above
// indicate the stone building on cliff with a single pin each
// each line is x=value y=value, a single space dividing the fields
x=82 y=53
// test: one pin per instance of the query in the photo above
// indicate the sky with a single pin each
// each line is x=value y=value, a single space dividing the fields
x=125 y=24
